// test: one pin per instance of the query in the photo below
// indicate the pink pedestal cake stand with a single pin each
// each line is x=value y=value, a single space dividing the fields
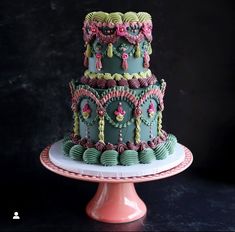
x=116 y=200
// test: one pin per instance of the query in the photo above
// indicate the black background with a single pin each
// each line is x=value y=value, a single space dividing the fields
x=41 y=49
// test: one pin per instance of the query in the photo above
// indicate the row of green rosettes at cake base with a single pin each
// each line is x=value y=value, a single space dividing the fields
x=112 y=157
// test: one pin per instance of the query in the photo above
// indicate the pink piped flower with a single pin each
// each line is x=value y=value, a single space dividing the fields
x=120 y=113
x=137 y=111
x=86 y=111
x=101 y=111
x=151 y=110
x=93 y=29
x=121 y=30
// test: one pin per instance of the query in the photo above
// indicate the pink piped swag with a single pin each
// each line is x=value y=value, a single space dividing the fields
x=98 y=62
x=124 y=61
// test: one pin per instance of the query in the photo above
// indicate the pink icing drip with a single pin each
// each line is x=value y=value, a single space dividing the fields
x=98 y=62
x=124 y=61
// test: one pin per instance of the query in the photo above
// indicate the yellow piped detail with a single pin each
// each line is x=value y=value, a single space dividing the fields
x=99 y=16
x=101 y=129
x=110 y=50
x=150 y=49
x=89 y=16
x=76 y=124
x=137 y=129
x=114 y=17
x=117 y=17
x=144 y=16
x=108 y=76
x=88 y=50
x=130 y=17
x=137 y=51
x=117 y=76
x=159 y=123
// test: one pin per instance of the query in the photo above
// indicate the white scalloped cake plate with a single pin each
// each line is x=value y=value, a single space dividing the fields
x=58 y=158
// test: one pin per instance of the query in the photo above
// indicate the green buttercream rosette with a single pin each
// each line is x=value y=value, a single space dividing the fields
x=129 y=157
x=66 y=138
x=146 y=156
x=172 y=138
x=91 y=156
x=171 y=143
x=76 y=152
x=109 y=158
x=170 y=146
x=67 y=146
x=160 y=151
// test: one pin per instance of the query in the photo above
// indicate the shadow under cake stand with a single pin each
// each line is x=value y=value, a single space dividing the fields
x=116 y=200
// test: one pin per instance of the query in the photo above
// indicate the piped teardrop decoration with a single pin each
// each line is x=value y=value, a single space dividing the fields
x=98 y=62
x=124 y=61
x=146 y=59
x=85 y=61
x=150 y=49
x=88 y=50
x=110 y=50
x=137 y=51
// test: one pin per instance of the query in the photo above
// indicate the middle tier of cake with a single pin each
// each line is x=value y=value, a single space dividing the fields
x=119 y=114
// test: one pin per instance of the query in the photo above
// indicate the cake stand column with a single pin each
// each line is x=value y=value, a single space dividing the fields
x=116 y=203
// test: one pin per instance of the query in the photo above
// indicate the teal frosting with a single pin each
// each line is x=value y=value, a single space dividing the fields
x=114 y=65
x=161 y=151
x=129 y=157
x=109 y=158
x=91 y=156
x=67 y=146
x=146 y=156
x=76 y=152
x=111 y=132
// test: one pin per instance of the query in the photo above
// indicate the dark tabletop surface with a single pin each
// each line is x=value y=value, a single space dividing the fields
x=191 y=201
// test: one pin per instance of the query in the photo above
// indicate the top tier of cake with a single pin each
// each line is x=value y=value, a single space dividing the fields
x=117 y=45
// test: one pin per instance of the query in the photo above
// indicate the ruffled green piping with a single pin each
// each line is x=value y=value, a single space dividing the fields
x=109 y=158
x=146 y=156
x=67 y=146
x=91 y=156
x=76 y=152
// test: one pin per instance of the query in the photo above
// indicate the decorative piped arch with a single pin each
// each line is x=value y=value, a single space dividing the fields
x=109 y=95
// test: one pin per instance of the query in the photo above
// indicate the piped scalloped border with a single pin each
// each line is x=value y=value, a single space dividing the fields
x=126 y=26
x=115 y=93
x=161 y=147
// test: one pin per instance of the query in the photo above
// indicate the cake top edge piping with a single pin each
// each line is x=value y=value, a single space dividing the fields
x=118 y=17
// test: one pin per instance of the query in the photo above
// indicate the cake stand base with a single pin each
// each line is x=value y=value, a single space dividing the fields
x=116 y=200
x=116 y=203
